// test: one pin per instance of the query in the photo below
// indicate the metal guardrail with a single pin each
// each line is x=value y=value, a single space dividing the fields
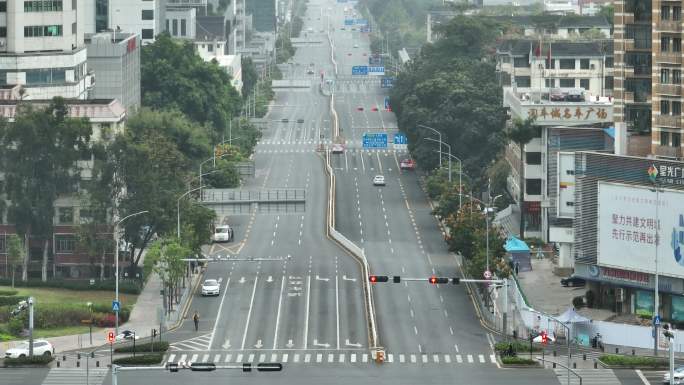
x=218 y=196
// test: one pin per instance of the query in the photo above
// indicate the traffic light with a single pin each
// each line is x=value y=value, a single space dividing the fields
x=544 y=337
x=456 y=280
x=270 y=367
x=110 y=337
x=246 y=367
x=435 y=280
x=396 y=279
x=173 y=367
x=202 y=367
x=378 y=278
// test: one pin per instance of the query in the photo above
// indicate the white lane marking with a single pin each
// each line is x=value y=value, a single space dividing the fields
x=337 y=310
x=492 y=357
x=447 y=358
x=307 y=358
x=642 y=377
x=435 y=358
x=249 y=312
x=262 y=357
x=280 y=301
x=413 y=358
x=470 y=358
x=194 y=358
x=228 y=357
x=481 y=357
x=306 y=321
x=402 y=358
x=274 y=356
x=341 y=360
x=459 y=359
x=456 y=347
x=364 y=357
x=425 y=358
x=451 y=330
x=411 y=310
x=171 y=357
x=415 y=330
x=390 y=357
x=238 y=358
x=217 y=358
x=353 y=358
x=218 y=317
x=284 y=358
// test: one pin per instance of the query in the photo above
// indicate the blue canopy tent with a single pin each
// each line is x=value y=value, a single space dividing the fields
x=519 y=253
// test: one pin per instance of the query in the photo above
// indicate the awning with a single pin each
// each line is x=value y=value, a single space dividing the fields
x=515 y=245
x=572 y=317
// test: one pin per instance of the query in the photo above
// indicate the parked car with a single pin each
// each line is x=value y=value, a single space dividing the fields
x=285 y=120
x=573 y=281
x=379 y=180
x=210 y=287
x=126 y=335
x=407 y=164
x=40 y=348
x=556 y=95
x=575 y=96
x=300 y=120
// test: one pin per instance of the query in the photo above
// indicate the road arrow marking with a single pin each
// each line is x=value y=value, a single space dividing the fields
x=293 y=277
x=226 y=345
x=322 y=279
x=344 y=277
x=294 y=294
x=289 y=344
x=323 y=345
x=346 y=342
x=270 y=279
x=242 y=280
x=258 y=345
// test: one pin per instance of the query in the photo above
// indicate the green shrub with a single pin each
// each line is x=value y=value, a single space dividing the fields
x=127 y=286
x=578 y=302
x=15 y=326
x=518 y=346
x=4 y=292
x=518 y=361
x=143 y=359
x=36 y=360
x=632 y=361
x=51 y=315
x=11 y=300
x=158 y=347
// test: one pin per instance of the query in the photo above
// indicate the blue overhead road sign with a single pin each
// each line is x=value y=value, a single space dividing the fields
x=376 y=70
x=348 y=21
x=387 y=103
x=360 y=70
x=374 y=140
x=387 y=82
x=400 y=138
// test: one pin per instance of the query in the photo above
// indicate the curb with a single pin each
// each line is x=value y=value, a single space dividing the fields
x=186 y=305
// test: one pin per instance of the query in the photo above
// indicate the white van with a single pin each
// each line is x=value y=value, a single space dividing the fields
x=222 y=233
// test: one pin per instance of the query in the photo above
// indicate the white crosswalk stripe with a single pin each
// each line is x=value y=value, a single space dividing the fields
x=75 y=376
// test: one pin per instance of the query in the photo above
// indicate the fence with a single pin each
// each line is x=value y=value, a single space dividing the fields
x=218 y=196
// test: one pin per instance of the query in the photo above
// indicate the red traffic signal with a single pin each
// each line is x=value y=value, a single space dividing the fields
x=110 y=337
x=435 y=280
x=378 y=278
x=544 y=337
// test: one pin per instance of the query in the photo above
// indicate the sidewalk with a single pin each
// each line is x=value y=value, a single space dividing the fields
x=144 y=317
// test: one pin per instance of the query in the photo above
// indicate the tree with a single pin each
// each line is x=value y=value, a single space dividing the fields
x=93 y=239
x=523 y=132
x=174 y=76
x=196 y=230
x=249 y=76
x=166 y=257
x=39 y=154
x=16 y=253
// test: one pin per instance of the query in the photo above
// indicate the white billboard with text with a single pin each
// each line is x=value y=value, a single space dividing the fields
x=629 y=218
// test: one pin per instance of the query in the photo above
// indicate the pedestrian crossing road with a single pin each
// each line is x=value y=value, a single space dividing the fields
x=328 y=357
x=75 y=376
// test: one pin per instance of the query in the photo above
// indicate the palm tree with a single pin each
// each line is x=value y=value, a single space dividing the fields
x=522 y=132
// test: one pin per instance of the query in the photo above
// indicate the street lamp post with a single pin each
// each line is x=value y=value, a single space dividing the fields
x=656 y=289
x=116 y=266
x=178 y=206
x=562 y=324
x=439 y=134
x=460 y=166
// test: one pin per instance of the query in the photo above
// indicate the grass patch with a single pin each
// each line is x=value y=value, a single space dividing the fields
x=632 y=361
x=518 y=361
x=518 y=347
x=36 y=360
x=63 y=331
x=143 y=359
x=148 y=347
x=56 y=295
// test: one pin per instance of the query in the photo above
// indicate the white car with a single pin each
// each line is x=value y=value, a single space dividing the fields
x=356 y=46
x=210 y=287
x=222 y=233
x=40 y=348
x=379 y=180
x=127 y=335
x=678 y=376
x=337 y=148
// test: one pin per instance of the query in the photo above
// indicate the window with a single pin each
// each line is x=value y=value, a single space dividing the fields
x=567 y=83
x=664 y=107
x=584 y=64
x=3 y=31
x=210 y=47
x=570 y=172
x=167 y=25
x=73 y=28
x=65 y=244
x=551 y=65
x=521 y=62
x=3 y=6
x=42 y=30
x=676 y=44
x=174 y=24
x=65 y=215
x=42 y=6
x=183 y=27
x=567 y=64
x=676 y=139
x=676 y=108
x=533 y=186
x=3 y=247
x=584 y=83
x=570 y=204
x=608 y=84
x=665 y=12
x=148 y=33
x=85 y=215
x=676 y=76
x=664 y=138
x=664 y=44
x=676 y=13
x=610 y=62
x=664 y=76
x=550 y=83
x=520 y=81
x=47 y=75
x=148 y=14
x=533 y=158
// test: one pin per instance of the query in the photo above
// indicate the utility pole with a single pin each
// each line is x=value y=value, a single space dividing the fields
x=30 y=306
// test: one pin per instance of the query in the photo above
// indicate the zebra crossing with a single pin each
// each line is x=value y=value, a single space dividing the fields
x=327 y=357
x=589 y=377
x=199 y=343
x=76 y=376
x=313 y=149
x=272 y=142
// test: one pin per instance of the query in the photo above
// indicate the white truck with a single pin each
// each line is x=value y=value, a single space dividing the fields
x=222 y=232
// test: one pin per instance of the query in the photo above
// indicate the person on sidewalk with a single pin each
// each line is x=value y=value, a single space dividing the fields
x=195 y=318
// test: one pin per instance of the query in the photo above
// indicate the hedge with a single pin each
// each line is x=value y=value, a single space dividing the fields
x=517 y=361
x=11 y=300
x=36 y=360
x=518 y=346
x=125 y=286
x=143 y=359
x=632 y=361
x=4 y=292
x=147 y=347
x=54 y=315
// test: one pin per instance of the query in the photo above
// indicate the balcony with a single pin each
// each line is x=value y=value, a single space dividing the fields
x=668 y=89
x=669 y=26
x=672 y=152
x=669 y=57
x=668 y=121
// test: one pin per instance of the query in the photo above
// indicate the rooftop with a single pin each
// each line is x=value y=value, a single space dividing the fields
x=536 y=103
x=97 y=110
x=559 y=48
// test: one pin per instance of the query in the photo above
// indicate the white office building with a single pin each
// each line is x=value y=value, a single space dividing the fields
x=42 y=49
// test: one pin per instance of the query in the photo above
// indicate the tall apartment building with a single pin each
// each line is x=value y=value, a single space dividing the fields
x=143 y=17
x=42 y=49
x=648 y=75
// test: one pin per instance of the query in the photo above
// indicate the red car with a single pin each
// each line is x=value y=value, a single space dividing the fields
x=407 y=164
